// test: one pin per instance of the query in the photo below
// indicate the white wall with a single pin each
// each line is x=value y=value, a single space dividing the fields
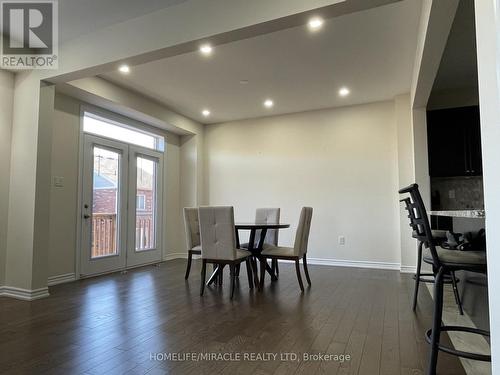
x=488 y=54
x=343 y=162
x=63 y=211
x=6 y=102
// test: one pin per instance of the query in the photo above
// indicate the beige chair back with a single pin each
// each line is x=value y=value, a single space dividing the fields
x=268 y=215
x=302 y=235
x=192 y=225
x=217 y=233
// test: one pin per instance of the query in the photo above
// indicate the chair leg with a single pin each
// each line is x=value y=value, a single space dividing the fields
x=417 y=275
x=238 y=269
x=232 y=272
x=263 y=262
x=188 y=268
x=436 y=322
x=249 y=273
x=203 y=275
x=455 y=292
x=274 y=267
x=306 y=271
x=255 y=272
x=299 y=278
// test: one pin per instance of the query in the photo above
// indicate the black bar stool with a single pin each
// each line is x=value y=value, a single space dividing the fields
x=443 y=262
x=438 y=237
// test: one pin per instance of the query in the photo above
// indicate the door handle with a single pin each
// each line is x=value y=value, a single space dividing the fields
x=86 y=216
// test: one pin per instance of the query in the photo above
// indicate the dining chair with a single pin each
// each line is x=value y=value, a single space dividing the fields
x=267 y=215
x=192 y=227
x=295 y=253
x=438 y=237
x=443 y=261
x=218 y=244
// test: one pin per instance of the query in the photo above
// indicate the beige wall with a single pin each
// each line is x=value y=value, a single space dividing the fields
x=343 y=162
x=63 y=211
x=6 y=102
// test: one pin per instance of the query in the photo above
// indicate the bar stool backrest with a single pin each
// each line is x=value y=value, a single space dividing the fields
x=419 y=221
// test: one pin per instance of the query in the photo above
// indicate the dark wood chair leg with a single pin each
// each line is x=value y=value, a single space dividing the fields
x=436 y=321
x=277 y=269
x=255 y=272
x=263 y=262
x=188 y=268
x=249 y=273
x=455 y=292
x=203 y=275
x=306 y=271
x=232 y=272
x=417 y=275
x=299 y=277
x=238 y=266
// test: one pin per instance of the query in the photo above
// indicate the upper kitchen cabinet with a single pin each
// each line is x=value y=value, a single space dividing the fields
x=454 y=142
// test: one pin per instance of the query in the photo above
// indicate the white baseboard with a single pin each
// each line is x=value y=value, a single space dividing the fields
x=408 y=269
x=179 y=256
x=61 y=279
x=353 y=263
x=24 y=294
x=172 y=256
x=326 y=262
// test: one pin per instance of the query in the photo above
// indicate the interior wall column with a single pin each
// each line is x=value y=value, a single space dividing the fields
x=29 y=199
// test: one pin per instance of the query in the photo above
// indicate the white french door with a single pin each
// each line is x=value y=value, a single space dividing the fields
x=122 y=205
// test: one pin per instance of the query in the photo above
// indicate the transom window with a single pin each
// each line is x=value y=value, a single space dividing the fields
x=108 y=128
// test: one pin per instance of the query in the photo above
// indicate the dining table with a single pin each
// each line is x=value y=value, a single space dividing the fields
x=257 y=229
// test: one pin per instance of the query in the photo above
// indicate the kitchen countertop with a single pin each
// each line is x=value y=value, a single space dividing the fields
x=471 y=214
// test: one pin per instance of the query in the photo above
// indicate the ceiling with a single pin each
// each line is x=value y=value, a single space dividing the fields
x=370 y=52
x=79 y=17
x=458 y=68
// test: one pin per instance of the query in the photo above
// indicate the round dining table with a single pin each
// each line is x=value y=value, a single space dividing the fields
x=254 y=247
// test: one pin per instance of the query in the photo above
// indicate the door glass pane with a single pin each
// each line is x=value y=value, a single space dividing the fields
x=145 y=231
x=105 y=193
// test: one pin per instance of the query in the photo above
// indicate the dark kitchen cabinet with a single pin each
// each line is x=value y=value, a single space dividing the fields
x=454 y=142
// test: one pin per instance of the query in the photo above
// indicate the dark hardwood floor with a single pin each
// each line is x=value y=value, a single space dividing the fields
x=112 y=324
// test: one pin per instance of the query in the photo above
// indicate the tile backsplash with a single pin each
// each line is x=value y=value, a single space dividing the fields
x=457 y=193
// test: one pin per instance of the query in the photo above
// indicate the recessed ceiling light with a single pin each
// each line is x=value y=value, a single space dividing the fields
x=315 y=23
x=206 y=49
x=205 y=112
x=124 y=69
x=244 y=81
x=268 y=103
x=344 y=91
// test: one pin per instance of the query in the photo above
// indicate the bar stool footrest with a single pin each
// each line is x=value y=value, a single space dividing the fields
x=460 y=353
x=424 y=279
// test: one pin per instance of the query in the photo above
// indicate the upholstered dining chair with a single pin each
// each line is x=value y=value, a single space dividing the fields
x=295 y=253
x=218 y=243
x=192 y=227
x=267 y=215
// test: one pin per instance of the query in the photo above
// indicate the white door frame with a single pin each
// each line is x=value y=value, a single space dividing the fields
x=487 y=13
x=127 y=122
x=110 y=263
x=137 y=258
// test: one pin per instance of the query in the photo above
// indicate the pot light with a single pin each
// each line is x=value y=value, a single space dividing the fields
x=268 y=103
x=205 y=112
x=125 y=69
x=206 y=49
x=315 y=23
x=344 y=91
